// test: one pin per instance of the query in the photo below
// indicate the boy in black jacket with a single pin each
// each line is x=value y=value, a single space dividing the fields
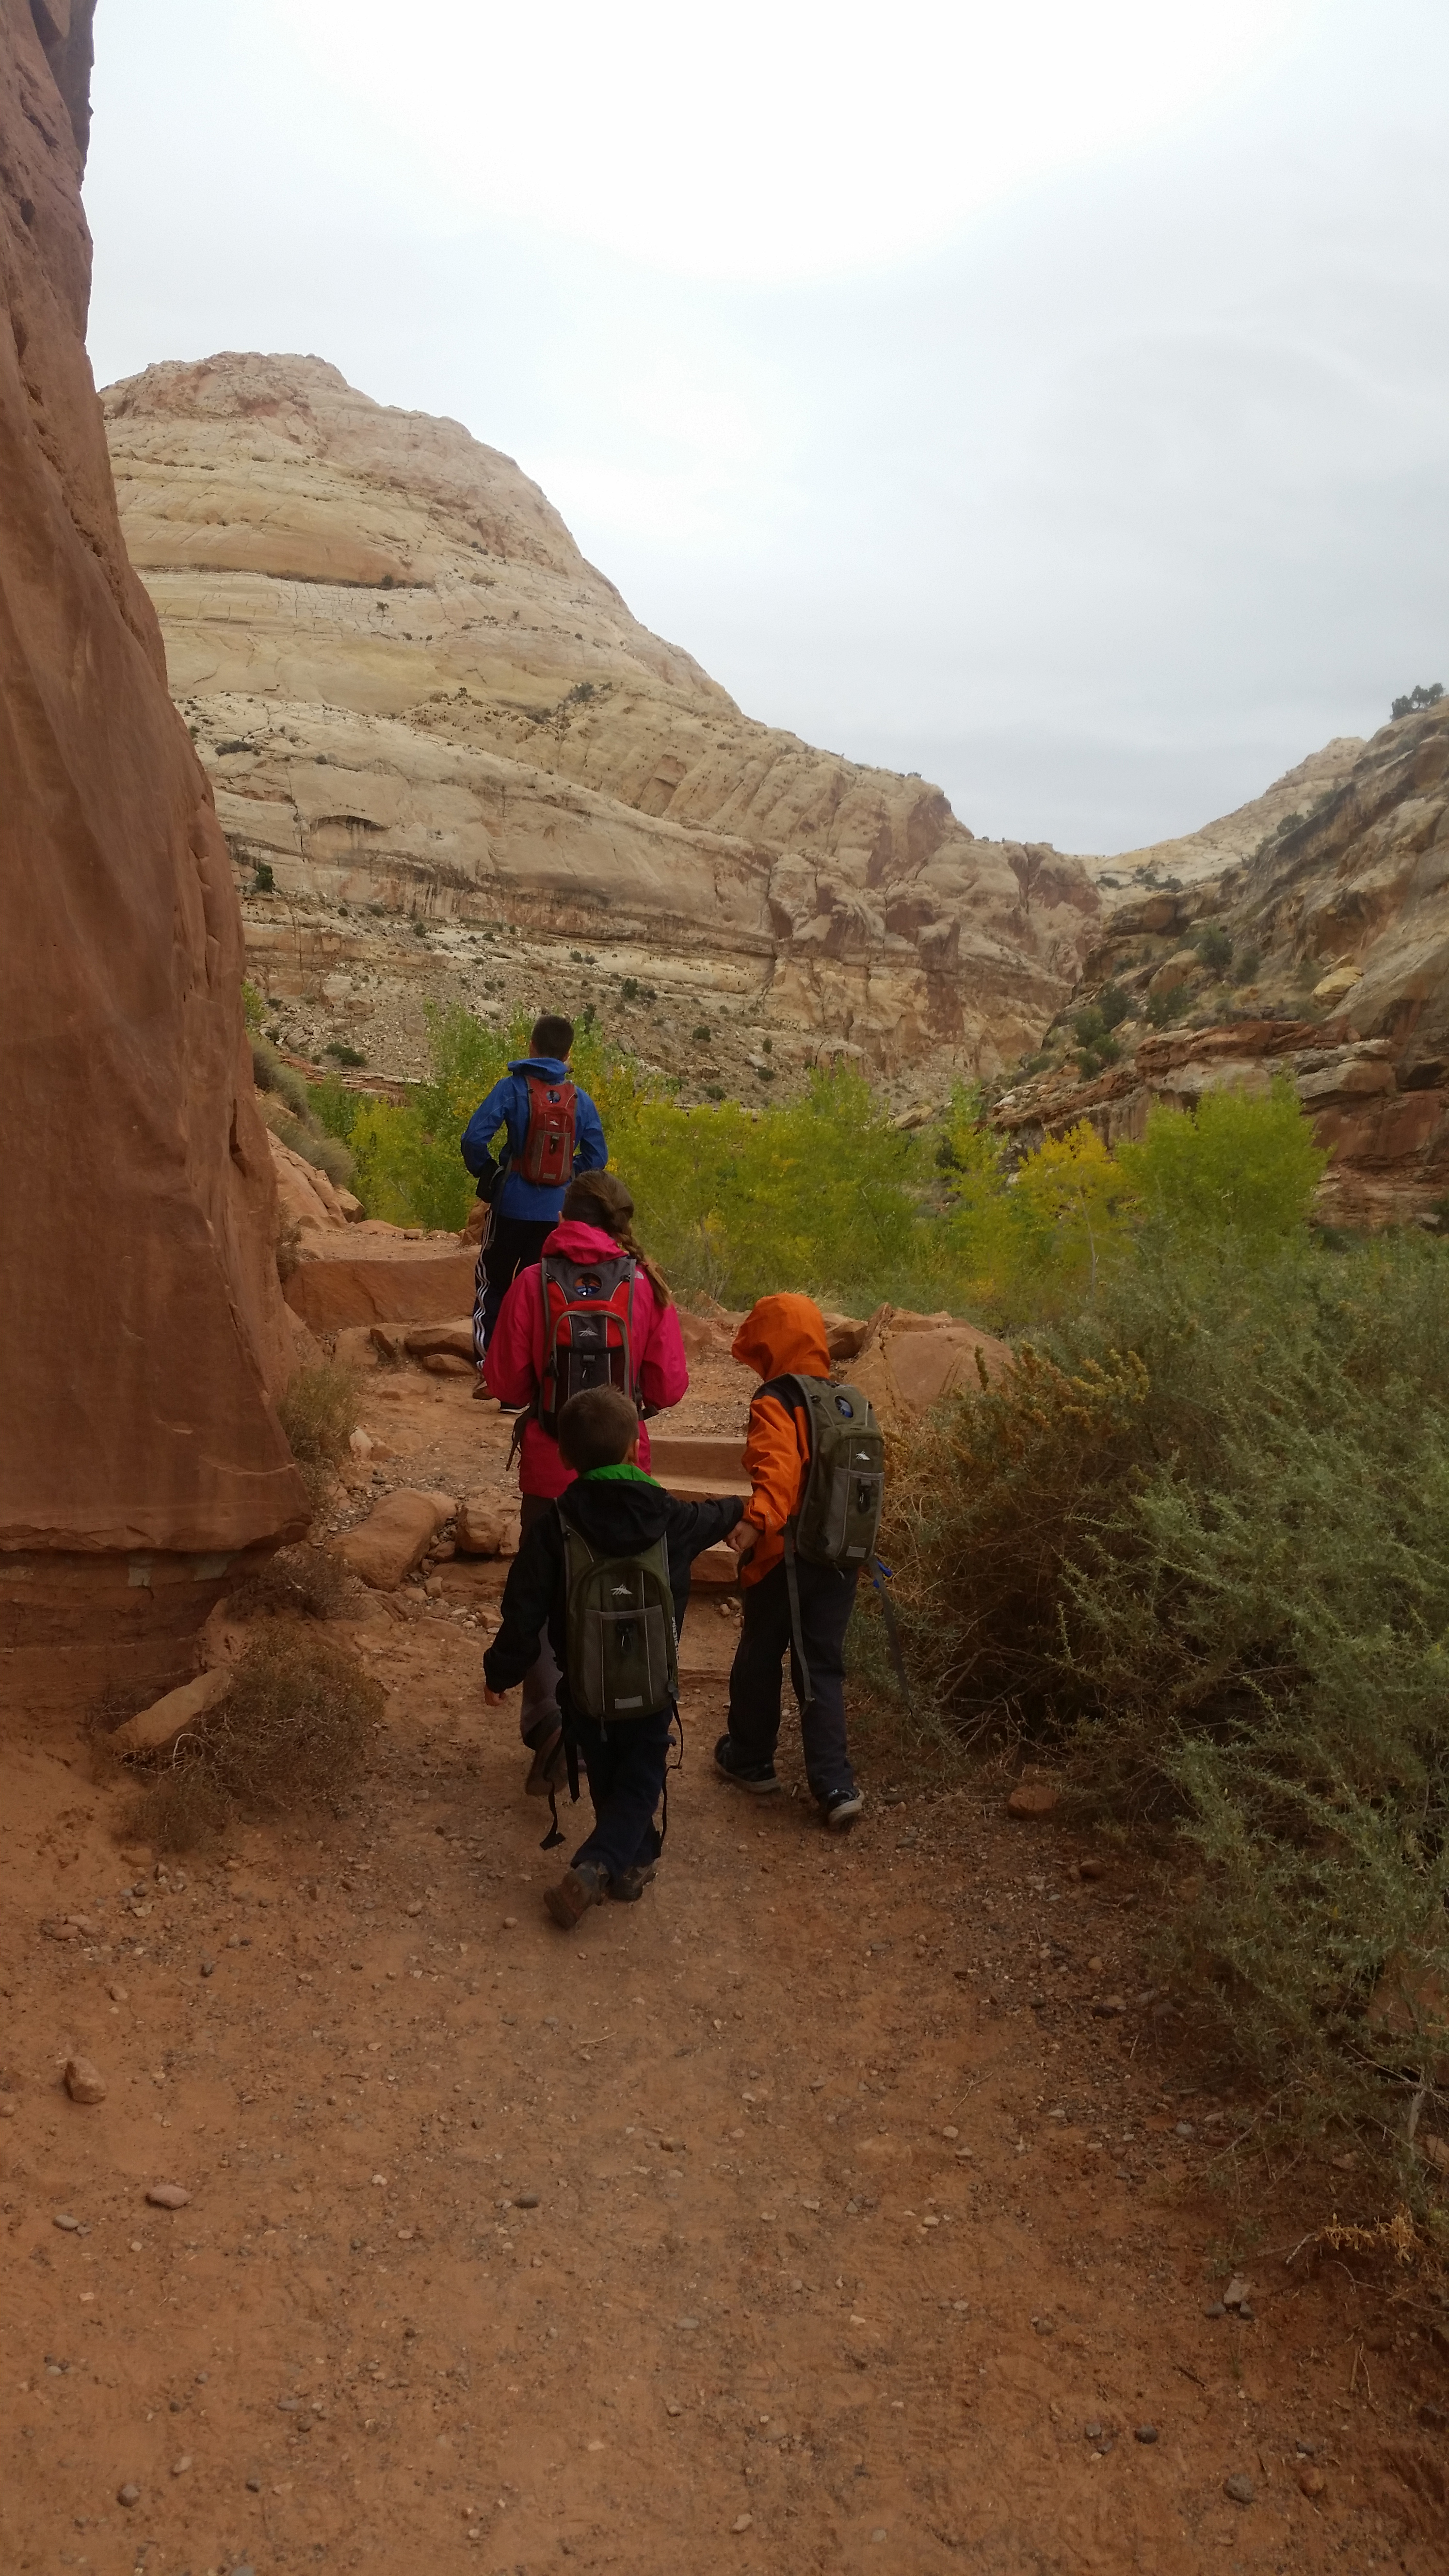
x=619 y=1511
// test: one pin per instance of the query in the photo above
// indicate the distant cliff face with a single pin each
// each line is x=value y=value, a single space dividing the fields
x=1325 y=957
x=411 y=691
x=142 y=1322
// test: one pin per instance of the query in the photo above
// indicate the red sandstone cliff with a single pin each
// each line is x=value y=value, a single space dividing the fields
x=143 y=1333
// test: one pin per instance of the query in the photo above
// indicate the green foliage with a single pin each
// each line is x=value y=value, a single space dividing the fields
x=1202 y=1541
x=1242 y=1168
x=334 y=1108
x=254 y=1008
x=1163 y=1009
x=1417 y=699
x=263 y=880
x=270 y=1073
x=1114 y=1006
x=1214 y=947
x=1246 y=964
x=342 y=1053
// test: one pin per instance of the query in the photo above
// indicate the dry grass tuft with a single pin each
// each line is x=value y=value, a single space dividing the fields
x=319 y=1415
x=292 y=1730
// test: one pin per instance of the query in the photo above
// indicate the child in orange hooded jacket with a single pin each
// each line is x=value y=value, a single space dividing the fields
x=784 y=1337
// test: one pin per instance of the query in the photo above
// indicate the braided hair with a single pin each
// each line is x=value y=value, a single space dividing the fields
x=600 y=1198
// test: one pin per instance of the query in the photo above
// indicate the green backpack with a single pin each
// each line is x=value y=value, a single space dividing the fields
x=839 y=1516
x=623 y=1659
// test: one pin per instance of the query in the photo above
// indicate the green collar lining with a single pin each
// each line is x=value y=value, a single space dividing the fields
x=623 y=1471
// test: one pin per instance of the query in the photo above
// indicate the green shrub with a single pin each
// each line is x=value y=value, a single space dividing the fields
x=1239 y=1167
x=1245 y=966
x=270 y=1074
x=334 y=1108
x=1114 y=1006
x=1201 y=1541
x=1214 y=947
x=1164 y=1009
x=342 y=1053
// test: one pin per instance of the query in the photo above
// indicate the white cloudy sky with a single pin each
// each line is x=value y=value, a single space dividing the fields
x=1049 y=398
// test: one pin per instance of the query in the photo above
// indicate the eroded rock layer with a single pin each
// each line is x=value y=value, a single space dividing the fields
x=143 y=1325
x=1325 y=958
x=413 y=692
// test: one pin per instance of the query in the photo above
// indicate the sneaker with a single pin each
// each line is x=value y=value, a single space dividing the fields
x=629 y=1885
x=481 y=1394
x=761 y=1777
x=549 y=1768
x=841 y=1808
x=576 y=1891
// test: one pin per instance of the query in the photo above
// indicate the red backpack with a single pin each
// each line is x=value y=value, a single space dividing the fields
x=548 y=1148
x=588 y=1330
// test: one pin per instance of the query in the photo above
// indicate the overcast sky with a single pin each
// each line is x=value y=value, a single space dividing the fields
x=1051 y=399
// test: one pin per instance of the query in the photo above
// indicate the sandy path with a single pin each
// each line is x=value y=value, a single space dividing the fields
x=647 y=2245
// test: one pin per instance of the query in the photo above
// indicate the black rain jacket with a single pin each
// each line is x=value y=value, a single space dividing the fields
x=617 y=1515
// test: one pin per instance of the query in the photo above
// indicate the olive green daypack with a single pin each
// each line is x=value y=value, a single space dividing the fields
x=622 y=1657
x=838 y=1519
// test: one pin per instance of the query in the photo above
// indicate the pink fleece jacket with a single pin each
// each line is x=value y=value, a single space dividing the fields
x=514 y=1366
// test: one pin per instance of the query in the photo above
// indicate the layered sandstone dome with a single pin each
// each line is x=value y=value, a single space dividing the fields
x=412 y=692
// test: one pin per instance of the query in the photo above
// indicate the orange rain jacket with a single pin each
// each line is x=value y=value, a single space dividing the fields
x=780 y=1337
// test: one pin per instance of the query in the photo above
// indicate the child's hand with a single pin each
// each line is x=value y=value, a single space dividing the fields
x=493 y=1698
x=742 y=1537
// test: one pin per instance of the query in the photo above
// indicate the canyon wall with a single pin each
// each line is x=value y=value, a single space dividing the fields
x=143 y=1333
x=1323 y=958
x=424 y=712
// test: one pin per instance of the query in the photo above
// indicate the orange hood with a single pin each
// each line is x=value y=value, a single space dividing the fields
x=784 y=1336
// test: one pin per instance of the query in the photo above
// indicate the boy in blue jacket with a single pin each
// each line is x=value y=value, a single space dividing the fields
x=552 y=1131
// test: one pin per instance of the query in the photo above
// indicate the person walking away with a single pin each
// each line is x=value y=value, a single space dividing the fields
x=605 y=1568
x=592 y=1311
x=802 y=1542
x=551 y=1132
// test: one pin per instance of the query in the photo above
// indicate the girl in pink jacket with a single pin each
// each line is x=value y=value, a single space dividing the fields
x=596 y=1224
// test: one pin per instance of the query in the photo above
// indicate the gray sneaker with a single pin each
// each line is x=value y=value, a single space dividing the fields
x=841 y=1808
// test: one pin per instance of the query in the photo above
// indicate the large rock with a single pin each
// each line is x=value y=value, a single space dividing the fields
x=143 y=1338
x=413 y=691
x=372 y=1275
x=395 y=1537
x=487 y=1525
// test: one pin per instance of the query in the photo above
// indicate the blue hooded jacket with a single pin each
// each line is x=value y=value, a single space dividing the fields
x=507 y=1106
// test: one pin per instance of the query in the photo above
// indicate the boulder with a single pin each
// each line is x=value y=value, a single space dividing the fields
x=166 y=1719
x=453 y=1340
x=372 y=1281
x=355 y=1346
x=395 y=1537
x=487 y=1525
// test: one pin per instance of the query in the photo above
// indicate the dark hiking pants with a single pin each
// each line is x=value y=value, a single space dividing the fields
x=510 y=1244
x=626 y=1782
x=827 y=1598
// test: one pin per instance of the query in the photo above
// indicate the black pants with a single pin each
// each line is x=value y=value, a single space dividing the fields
x=510 y=1244
x=626 y=1782
x=827 y=1598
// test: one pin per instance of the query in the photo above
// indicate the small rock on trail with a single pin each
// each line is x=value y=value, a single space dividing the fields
x=83 y=2081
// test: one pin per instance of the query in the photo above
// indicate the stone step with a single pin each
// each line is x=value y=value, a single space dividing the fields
x=702 y=1489
x=700 y=1457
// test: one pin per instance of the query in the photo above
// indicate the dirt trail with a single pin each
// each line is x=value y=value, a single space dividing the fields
x=802 y=2216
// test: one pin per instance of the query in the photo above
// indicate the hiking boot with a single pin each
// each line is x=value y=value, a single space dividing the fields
x=481 y=1394
x=549 y=1768
x=576 y=1891
x=629 y=1884
x=840 y=1808
x=761 y=1777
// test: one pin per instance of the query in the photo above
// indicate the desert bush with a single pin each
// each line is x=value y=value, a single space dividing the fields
x=271 y=1073
x=1162 y=1010
x=318 y=1413
x=292 y=1730
x=1201 y=1542
x=1214 y=947
x=298 y=1582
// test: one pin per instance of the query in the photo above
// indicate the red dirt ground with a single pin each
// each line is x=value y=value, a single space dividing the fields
x=657 y=2243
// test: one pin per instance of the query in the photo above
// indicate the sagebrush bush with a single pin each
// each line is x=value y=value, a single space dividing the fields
x=1201 y=1542
x=292 y=1730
